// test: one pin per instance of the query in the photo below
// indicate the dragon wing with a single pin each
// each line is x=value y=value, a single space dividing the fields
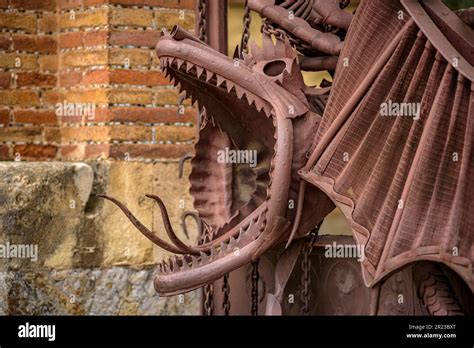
x=404 y=183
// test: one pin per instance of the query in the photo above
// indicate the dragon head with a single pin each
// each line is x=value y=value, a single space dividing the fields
x=244 y=171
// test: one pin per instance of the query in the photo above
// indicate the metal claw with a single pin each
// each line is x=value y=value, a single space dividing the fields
x=143 y=229
x=181 y=164
x=196 y=218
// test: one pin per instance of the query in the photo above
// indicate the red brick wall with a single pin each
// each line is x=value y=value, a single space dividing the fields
x=89 y=52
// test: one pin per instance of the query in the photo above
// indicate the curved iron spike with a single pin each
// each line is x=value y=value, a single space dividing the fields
x=196 y=218
x=143 y=229
x=169 y=229
x=181 y=164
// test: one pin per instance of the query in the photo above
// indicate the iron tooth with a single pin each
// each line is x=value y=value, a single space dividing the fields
x=230 y=85
x=199 y=71
x=220 y=80
x=223 y=247
x=165 y=267
x=204 y=257
x=179 y=63
x=195 y=261
x=232 y=242
x=189 y=66
x=209 y=75
x=239 y=91
x=213 y=253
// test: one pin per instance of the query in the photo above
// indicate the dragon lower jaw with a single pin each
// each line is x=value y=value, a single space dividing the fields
x=186 y=273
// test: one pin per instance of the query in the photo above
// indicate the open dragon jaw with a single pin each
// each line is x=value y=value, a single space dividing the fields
x=389 y=142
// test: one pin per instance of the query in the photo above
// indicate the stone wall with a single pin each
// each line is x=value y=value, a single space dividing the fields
x=100 y=53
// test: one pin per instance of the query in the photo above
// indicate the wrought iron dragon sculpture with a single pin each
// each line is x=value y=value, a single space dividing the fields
x=394 y=178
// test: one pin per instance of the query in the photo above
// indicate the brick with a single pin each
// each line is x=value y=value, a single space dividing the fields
x=21 y=21
x=88 y=3
x=151 y=115
x=83 y=39
x=168 y=19
x=100 y=76
x=91 y=18
x=134 y=77
x=73 y=151
x=93 y=151
x=5 y=79
x=86 y=96
x=95 y=38
x=139 y=38
x=102 y=114
x=131 y=17
x=19 y=97
x=175 y=133
x=5 y=41
x=35 y=79
x=34 y=43
x=130 y=133
x=182 y=4
x=51 y=97
x=48 y=23
x=34 y=116
x=9 y=60
x=4 y=152
x=70 y=4
x=85 y=133
x=3 y=3
x=148 y=151
x=33 y=151
x=48 y=63
x=136 y=57
x=167 y=97
x=70 y=78
x=52 y=135
x=4 y=117
x=70 y=40
x=83 y=58
x=130 y=96
x=23 y=134
x=41 y=5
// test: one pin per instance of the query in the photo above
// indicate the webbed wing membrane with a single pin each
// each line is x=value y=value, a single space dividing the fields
x=404 y=184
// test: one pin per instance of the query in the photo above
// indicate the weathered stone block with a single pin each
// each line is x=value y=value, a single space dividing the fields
x=42 y=206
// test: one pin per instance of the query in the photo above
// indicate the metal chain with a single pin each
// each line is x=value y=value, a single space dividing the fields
x=244 y=41
x=225 y=294
x=305 y=295
x=209 y=299
x=202 y=23
x=255 y=279
x=344 y=3
x=280 y=34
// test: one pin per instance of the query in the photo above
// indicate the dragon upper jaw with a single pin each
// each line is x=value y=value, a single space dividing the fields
x=254 y=224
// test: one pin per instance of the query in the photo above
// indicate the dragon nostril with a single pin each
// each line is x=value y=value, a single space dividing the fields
x=274 y=68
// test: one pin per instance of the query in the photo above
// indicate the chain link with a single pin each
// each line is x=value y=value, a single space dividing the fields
x=305 y=295
x=255 y=279
x=202 y=22
x=280 y=34
x=209 y=299
x=225 y=294
x=244 y=41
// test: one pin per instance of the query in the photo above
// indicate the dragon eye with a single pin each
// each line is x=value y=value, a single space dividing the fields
x=274 y=68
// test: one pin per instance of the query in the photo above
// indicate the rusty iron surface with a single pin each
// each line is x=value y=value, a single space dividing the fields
x=392 y=177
